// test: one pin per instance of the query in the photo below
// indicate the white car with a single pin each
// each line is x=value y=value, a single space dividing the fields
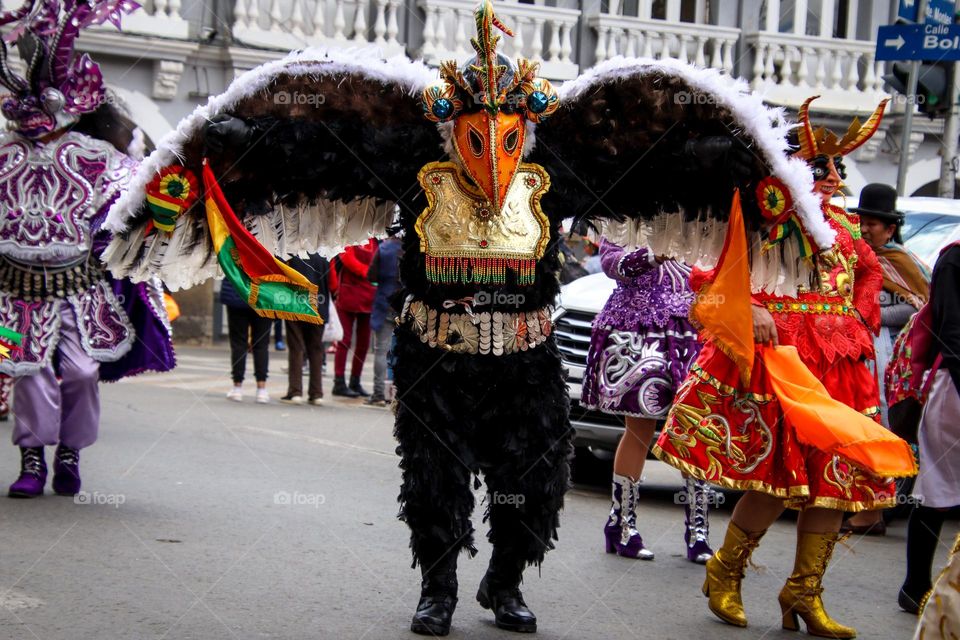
x=580 y=302
x=931 y=223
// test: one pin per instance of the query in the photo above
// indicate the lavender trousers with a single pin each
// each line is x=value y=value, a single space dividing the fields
x=48 y=411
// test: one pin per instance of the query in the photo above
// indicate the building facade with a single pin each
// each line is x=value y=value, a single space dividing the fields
x=173 y=55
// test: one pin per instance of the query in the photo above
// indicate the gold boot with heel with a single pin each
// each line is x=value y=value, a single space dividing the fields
x=800 y=596
x=725 y=571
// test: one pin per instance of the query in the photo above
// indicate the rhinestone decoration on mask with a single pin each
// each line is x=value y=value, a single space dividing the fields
x=58 y=86
x=483 y=221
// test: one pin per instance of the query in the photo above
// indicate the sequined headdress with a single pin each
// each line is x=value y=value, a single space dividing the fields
x=489 y=100
x=821 y=141
x=58 y=86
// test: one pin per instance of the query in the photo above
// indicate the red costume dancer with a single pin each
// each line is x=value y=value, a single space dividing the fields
x=746 y=435
x=354 y=304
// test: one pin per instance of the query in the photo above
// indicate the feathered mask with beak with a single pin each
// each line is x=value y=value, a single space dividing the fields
x=58 y=86
x=489 y=100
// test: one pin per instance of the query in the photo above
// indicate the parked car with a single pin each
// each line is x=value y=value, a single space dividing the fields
x=580 y=302
x=930 y=224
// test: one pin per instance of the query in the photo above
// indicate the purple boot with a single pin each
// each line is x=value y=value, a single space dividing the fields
x=696 y=507
x=33 y=474
x=66 y=471
x=621 y=528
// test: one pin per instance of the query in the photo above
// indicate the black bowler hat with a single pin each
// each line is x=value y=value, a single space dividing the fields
x=879 y=201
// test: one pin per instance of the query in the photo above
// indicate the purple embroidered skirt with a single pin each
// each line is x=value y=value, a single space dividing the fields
x=636 y=371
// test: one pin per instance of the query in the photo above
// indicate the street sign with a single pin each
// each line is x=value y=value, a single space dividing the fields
x=918 y=42
x=938 y=11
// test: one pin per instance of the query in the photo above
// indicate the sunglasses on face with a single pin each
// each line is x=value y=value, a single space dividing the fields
x=821 y=167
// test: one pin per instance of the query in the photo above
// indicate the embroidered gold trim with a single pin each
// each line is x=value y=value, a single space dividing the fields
x=466 y=239
x=797 y=497
x=483 y=333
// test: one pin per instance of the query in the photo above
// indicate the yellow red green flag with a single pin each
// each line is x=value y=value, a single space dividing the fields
x=273 y=289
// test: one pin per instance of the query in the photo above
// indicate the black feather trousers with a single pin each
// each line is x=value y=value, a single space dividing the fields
x=460 y=416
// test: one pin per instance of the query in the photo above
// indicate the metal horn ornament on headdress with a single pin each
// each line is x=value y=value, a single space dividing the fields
x=489 y=100
x=824 y=142
x=58 y=86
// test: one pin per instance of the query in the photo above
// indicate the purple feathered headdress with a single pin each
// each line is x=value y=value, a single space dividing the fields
x=58 y=86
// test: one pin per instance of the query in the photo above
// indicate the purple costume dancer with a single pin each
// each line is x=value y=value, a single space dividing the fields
x=641 y=348
x=56 y=184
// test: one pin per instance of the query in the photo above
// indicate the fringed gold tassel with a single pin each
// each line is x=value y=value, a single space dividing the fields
x=470 y=270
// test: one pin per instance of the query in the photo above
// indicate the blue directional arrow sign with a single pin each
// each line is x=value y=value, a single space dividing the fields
x=918 y=42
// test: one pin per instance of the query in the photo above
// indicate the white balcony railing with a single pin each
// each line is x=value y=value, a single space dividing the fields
x=155 y=18
x=701 y=44
x=543 y=34
x=788 y=68
x=295 y=24
x=798 y=53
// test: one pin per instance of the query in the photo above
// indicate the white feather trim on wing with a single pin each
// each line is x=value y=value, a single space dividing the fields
x=779 y=271
x=767 y=126
x=413 y=76
x=695 y=242
x=327 y=229
x=446 y=134
x=138 y=145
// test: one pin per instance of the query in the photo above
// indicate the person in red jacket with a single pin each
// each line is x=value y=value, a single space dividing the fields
x=354 y=304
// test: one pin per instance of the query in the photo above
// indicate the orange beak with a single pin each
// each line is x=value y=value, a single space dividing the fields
x=490 y=147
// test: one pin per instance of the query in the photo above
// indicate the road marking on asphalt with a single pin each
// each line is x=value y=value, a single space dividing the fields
x=313 y=439
x=15 y=601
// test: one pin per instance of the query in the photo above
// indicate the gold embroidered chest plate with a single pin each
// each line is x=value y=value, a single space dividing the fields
x=465 y=240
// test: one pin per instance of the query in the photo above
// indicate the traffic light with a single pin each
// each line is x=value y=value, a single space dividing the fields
x=933 y=97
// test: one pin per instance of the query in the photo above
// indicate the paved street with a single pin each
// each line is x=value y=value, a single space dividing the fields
x=208 y=519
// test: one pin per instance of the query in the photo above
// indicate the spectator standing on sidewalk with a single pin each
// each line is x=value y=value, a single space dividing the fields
x=248 y=332
x=906 y=286
x=384 y=273
x=305 y=339
x=278 y=342
x=354 y=304
x=937 y=488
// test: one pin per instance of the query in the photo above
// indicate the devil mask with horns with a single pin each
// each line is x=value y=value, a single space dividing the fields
x=824 y=151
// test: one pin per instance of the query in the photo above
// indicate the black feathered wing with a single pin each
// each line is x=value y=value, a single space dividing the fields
x=338 y=138
x=614 y=151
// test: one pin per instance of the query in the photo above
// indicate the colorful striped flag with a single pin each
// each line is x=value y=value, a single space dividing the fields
x=10 y=340
x=272 y=289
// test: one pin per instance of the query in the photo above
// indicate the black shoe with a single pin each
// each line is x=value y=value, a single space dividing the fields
x=376 y=401
x=438 y=595
x=910 y=602
x=510 y=612
x=434 y=614
x=356 y=388
x=340 y=388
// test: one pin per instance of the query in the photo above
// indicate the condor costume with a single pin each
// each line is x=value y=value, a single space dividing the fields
x=483 y=166
x=60 y=169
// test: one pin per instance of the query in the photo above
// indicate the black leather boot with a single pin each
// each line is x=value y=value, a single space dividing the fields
x=438 y=597
x=500 y=592
x=340 y=388
x=356 y=388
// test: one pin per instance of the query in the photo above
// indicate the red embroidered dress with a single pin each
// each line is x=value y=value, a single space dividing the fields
x=741 y=439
